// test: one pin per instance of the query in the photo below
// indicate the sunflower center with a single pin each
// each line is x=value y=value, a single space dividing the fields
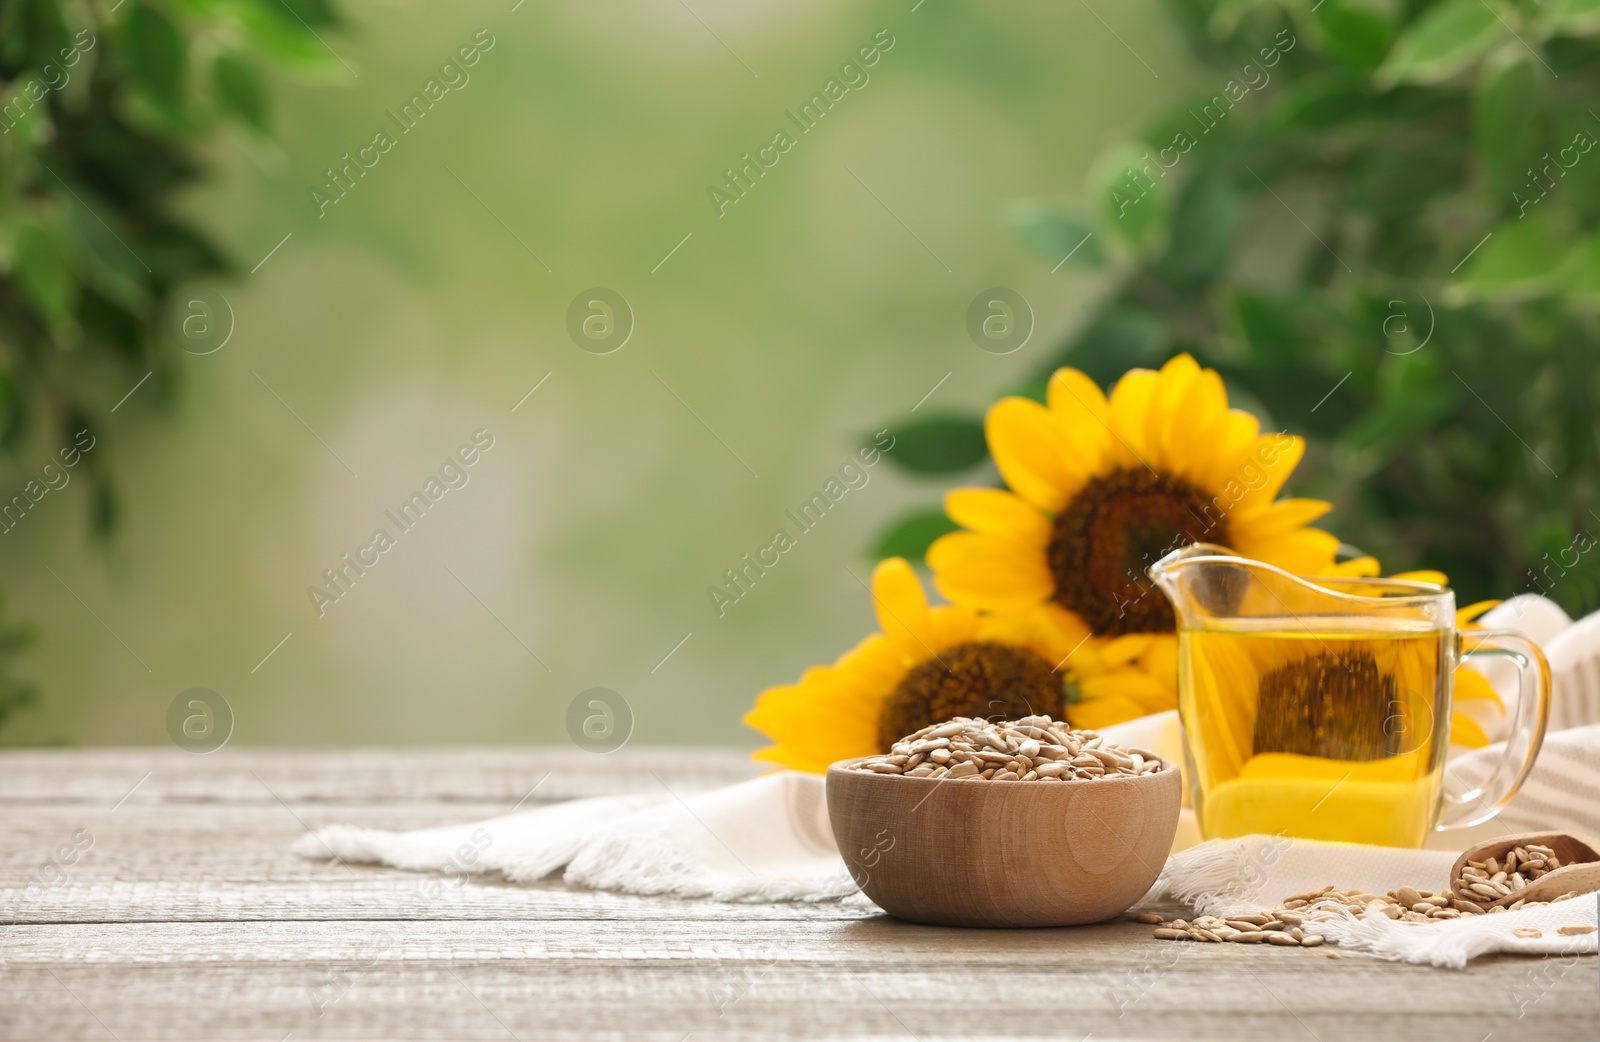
x=1114 y=529
x=1341 y=707
x=978 y=679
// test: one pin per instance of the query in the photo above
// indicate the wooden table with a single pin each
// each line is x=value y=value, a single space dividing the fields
x=182 y=914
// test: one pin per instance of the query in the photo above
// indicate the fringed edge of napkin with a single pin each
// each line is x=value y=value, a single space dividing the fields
x=1454 y=943
x=642 y=864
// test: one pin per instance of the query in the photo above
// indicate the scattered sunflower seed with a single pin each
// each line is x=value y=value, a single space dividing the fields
x=1290 y=923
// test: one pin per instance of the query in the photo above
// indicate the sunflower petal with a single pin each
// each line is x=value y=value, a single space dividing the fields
x=1172 y=384
x=902 y=609
x=989 y=573
x=996 y=512
x=1204 y=406
x=1276 y=518
x=1285 y=454
x=1465 y=731
x=953 y=624
x=821 y=719
x=1026 y=445
x=1130 y=401
x=1057 y=634
x=1120 y=651
x=1472 y=686
x=1161 y=660
x=1081 y=410
x=1358 y=568
x=1304 y=551
x=1231 y=443
x=1095 y=713
x=1424 y=575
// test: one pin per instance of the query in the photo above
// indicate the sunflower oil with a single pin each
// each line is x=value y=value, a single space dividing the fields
x=1330 y=728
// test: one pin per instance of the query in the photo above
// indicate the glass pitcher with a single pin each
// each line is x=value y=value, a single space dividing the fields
x=1321 y=708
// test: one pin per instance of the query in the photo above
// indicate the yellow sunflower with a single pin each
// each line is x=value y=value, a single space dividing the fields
x=1098 y=490
x=1471 y=687
x=927 y=665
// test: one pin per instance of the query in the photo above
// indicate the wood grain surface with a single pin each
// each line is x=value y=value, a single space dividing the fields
x=182 y=915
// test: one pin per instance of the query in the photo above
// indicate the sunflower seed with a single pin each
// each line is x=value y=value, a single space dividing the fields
x=1574 y=931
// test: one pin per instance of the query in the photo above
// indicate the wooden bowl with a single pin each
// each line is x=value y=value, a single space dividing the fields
x=985 y=853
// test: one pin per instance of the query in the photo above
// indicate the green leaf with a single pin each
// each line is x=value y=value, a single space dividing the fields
x=1395 y=183
x=1355 y=35
x=1319 y=102
x=44 y=272
x=1132 y=192
x=1122 y=337
x=239 y=89
x=1446 y=39
x=1227 y=14
x=1202 y=234
x=1266 y=324
x=157 y=54
x=1580 y=269
x=911 y=536
x=105 y=261
x=10 y=411
x=1056 y=233
x=1505 y=128
x=939 y=445
x=1518 y=260
x=302 y=12
x=284 y=40
x=1576 y=18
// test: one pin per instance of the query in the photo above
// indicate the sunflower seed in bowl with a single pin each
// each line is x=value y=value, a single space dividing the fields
x=1033 y=748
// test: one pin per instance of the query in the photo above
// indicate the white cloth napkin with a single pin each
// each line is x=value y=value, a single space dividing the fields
x=1252 y=874
x=768 y=839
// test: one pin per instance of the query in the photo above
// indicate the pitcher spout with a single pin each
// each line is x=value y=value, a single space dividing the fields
x=1180 y=574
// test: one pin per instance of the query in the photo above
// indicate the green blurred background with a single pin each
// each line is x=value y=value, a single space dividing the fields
x=1382 y=231
x=408 y=316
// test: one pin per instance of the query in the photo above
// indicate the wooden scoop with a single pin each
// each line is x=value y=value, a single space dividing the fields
x=1579 y=872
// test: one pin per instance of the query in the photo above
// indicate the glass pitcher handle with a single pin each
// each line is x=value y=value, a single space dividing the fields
x=1527 y=730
